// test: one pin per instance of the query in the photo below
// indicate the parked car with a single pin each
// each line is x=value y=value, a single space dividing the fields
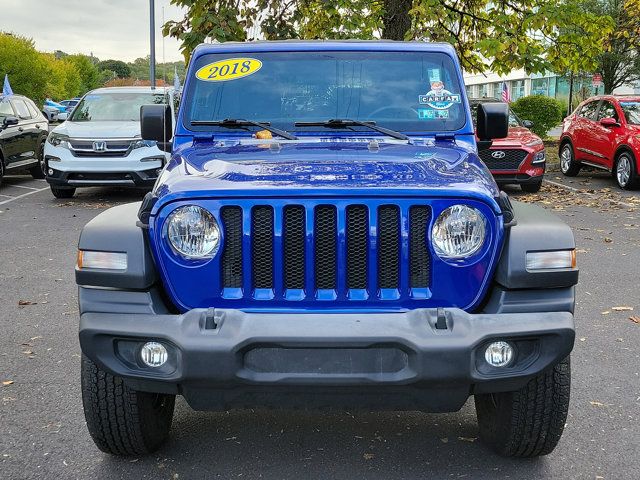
x=70 y=104
x=100 y=143
x=23 y=131
x=518 y=159
x=52 y=110
x=326 y=241
x=604 y=133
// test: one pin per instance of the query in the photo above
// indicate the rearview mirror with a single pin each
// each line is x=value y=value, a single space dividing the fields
x=156 y=124
x=527 y=124
x=609 y=122
x=9 y=121
x=493 y=121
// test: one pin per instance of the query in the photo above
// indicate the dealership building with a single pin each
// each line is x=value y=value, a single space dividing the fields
x=489 y=85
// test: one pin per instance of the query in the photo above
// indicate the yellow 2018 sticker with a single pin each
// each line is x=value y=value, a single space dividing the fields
x=230 y=69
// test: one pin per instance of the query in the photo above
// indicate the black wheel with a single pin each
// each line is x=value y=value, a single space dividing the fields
x=625 y=172
x=568 y=164
x=531 y=187
x=39 y=171
x=61 y=192
x=123 y=421
x=528 y=422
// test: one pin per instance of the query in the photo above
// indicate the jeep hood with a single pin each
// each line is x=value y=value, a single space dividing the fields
x=298 y=169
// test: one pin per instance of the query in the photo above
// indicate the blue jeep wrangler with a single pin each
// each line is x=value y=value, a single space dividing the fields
x=325 y=236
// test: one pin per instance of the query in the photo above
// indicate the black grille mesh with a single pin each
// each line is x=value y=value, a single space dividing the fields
x=262 y=246
x=294 y=251
x=357 y=246
x=232 y=251
x=419 y=259
x=325 y=247
x=388 y=246
x=511 y=160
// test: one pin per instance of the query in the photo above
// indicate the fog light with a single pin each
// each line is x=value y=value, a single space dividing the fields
x=499 y=354
x=153 y=354
x=50 y=171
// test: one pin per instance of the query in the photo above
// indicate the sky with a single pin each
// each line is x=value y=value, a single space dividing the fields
x=110 y=29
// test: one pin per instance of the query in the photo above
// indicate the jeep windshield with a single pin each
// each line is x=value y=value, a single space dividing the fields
x=411 y=92
x=114 y=106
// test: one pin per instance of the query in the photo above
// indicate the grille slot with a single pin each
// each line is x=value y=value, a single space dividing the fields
x=357 y=246
x=262 y=246
x=511 y=160
x=294 y=249
x=388 y=246
x=325 y=247
x=419 y=259
x=232 y=251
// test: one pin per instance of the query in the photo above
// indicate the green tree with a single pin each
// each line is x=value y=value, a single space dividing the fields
x=544 y=112
x=619 y=63
x=63 y=79
x=536 y=35
x=121 y=69
x=25 y=66
x=89 y=74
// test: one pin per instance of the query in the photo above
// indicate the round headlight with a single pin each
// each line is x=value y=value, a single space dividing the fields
x=193 y=232
x=459 y=232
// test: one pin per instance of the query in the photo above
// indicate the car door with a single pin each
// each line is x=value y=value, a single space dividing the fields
x=10 y=138
x=583 y=142
x=28 y=131
x=604 y=137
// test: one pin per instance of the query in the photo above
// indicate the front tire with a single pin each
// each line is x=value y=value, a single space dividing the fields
x=568 y=165
x=123 y=421
x=63 y=192
x=531 y=187
x=625 y=172
x=528 y=422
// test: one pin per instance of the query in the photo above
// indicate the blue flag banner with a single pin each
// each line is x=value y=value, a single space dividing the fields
x=6 y=88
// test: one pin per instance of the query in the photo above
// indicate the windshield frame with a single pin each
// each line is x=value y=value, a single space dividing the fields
x=184 y=127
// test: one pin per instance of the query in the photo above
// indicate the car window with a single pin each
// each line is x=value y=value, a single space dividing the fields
x=514 y=120
x=32 y=108
x=406 y=91
x=5 y=109
x=21 y=109
x=588 y=110
x=631 y=111
x=607 y=110
x=114 y=106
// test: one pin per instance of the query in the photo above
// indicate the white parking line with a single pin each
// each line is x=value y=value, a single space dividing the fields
x=23 y=195
x=574 y=189
x=22 y=186
x=6 y=196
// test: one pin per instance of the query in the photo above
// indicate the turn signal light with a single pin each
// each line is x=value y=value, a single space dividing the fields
x=102 y=260
x=560 y=259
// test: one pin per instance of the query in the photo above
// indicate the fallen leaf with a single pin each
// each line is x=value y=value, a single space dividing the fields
x=597 y=404
x=467 y=439
x=368 y=456
x=608 y=240
x=622 y=309
x=634 y=319
x=7 y=382
x=26 y=302
x=444 y=440
x=606 y=312
x=582 y=339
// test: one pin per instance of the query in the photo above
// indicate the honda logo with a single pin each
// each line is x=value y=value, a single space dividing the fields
x=99 y=146
x=498 y=154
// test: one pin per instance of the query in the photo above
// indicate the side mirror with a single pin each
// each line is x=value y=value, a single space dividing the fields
x=156 y=124
x=527 y=124
x=10 y=121
x=609 y=122
x=492 y=123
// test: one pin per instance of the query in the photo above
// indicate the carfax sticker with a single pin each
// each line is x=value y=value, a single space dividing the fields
x=229 y=69
x=439 y=98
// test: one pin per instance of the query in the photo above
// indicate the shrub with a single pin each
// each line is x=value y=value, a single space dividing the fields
x=544 y=112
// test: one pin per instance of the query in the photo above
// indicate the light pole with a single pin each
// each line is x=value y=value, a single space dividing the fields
x=152 y=58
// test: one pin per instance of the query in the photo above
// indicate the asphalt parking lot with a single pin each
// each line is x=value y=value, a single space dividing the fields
x=42 y=429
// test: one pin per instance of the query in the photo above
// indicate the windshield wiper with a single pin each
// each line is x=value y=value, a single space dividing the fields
x=240 y=122
x=346 y=122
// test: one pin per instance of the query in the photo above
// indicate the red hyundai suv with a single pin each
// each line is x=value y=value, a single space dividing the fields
x=518 y=159
x=604 y=132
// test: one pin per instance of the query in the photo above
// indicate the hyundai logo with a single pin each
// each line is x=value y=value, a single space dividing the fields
x=498 y=154
x=99 y=146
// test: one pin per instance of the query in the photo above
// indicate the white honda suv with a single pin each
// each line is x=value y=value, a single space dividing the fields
x=100 y=143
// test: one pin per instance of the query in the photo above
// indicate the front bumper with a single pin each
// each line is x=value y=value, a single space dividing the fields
x=221 y=359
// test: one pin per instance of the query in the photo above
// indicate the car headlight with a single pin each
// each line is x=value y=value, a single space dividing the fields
x=459 y=232
x=58 y=139
x=142 y=144
x=539 y=157
x=193 y=232
x=534 y=143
